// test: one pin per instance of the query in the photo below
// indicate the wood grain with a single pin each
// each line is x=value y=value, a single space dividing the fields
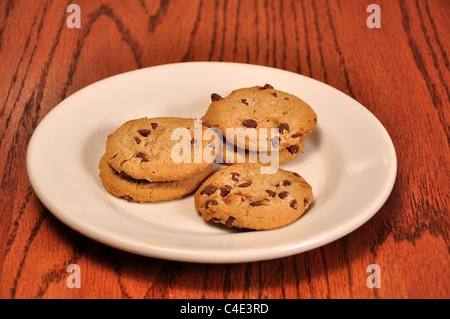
x=400 y=72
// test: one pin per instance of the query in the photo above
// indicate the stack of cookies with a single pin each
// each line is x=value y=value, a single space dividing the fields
x=260 y=118
x=139 y=164
x=257 y=123
x=141 y=161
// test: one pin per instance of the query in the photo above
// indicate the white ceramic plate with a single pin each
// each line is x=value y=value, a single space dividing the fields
x=349 y=160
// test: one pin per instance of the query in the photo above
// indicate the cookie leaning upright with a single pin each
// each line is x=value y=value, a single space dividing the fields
x=241 y=196
x=146 y=149
x=262 y=107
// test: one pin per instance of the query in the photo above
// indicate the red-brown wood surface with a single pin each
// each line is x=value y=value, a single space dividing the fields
x=400 y=72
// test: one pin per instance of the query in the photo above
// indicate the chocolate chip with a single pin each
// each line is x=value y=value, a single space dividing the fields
x=270 y=192
x=128 y=198
x=267 y=86
x=209 y=190
x=294 y=204
x=230 y=221
x=244 y=101
x=297 y=135
x=275 y=141
x=283 y=195
x=275 y=94
x=137 y=140
x=286 y=183
x=250 y=123
x=283 y=127
x=286 y=98
x=257 y=203
x=225 y=190
x=154 y=125
x=234 y=178
x=305 y=202
x=125 y=175
x=216 y=97
x=296 y=174
x=142 y=156
x=210 y=202
x=245 y=184
x=293 y=149
x=144 y=132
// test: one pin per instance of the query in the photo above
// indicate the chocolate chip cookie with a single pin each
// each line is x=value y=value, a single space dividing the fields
x=146 y=149
x=240 y=196
x=247 y=110
x=123 y=186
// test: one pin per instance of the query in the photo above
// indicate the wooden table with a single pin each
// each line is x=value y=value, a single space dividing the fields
x=400 y=72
